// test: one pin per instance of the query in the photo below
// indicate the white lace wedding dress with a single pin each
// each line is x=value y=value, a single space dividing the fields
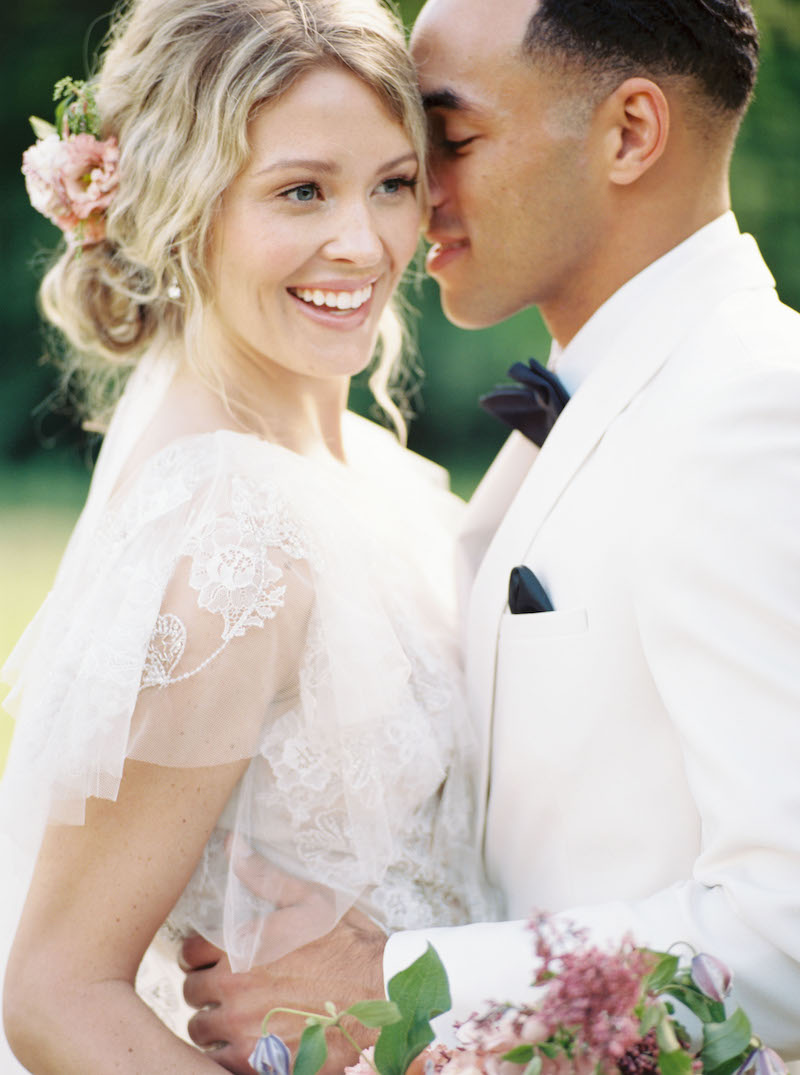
x=234 y=600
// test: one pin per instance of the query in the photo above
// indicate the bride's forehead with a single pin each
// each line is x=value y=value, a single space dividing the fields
x=327 y=113
x=321 y=92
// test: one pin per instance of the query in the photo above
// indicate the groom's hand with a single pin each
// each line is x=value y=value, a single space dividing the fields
x=344 y=966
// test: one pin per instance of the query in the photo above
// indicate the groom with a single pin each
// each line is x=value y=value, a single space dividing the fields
x=642 y=740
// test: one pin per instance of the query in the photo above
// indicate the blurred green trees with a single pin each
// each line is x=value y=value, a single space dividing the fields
x=46 y=39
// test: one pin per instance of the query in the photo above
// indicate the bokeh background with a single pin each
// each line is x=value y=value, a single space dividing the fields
x=45 y=462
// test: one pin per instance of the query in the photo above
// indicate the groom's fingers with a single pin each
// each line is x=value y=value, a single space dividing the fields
x=200 y=989
x=228 y=1023
x=263 y=878
x=344 y=966
x=301 y=911
x=197 y=952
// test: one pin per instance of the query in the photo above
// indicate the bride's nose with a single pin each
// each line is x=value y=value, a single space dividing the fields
x=355 y=236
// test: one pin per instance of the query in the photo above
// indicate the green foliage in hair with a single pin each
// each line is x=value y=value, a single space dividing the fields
x=77 y=108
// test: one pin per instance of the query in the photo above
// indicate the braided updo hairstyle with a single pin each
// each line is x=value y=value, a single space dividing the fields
x=179 y=83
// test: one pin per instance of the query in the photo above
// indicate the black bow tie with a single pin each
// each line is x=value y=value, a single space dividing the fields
x=531 y=406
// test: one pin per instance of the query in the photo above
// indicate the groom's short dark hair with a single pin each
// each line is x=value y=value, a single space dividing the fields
x=715 y=42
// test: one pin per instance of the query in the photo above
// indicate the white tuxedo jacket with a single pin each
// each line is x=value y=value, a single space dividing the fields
x=642 y=741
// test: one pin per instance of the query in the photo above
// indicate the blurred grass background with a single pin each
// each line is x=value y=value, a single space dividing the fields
x=45 y=463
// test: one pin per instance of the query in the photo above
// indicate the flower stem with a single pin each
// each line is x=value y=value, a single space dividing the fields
x=356 y=1046
x=322 y=1020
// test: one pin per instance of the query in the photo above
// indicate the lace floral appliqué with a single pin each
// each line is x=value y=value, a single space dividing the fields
x=165 y=651
x=233 y=575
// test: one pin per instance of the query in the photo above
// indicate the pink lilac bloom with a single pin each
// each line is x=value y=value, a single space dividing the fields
x=497 y=1031
x=435 y=1058
x=589 y=999
x=71 y=181
x=594 y=993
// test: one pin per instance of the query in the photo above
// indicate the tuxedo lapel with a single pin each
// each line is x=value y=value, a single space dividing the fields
x=639 y=352
x=487 y=507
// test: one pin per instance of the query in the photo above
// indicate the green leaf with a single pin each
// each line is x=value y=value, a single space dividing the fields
x=375 y=1013
x=520 y=1054
x=724 y=1043
x=535 y=1066
x=420 y=992
x=60 y=110
x=676 y=1062
x=666 y=1037
x=550 y=1049
x=695 y=1001
x=41 y=128
x=313 y=1051
x=662 y=974
x=650 y=1019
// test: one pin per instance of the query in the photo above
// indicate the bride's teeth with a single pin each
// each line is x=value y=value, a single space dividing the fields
x=335 y=300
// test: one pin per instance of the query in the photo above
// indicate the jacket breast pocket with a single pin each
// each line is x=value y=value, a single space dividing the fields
x=545 y=682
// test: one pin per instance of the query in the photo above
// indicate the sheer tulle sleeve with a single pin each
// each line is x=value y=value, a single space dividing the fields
x=237 y=602
x=163 y=642
x=225 y=648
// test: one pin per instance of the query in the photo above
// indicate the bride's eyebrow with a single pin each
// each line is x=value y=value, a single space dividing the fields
x=405 y=158
x=328 y=167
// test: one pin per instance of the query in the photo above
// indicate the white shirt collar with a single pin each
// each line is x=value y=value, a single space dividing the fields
x=574 y=362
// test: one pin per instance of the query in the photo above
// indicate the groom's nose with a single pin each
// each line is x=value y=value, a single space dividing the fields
x=436 y=187
x=443 y=219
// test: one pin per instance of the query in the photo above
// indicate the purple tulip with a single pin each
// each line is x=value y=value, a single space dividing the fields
x=767 y=1062
x=270 y=1056
x=711 y=977
x=762 y=1061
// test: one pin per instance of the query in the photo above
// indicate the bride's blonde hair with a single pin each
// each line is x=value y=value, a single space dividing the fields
x=180 y=82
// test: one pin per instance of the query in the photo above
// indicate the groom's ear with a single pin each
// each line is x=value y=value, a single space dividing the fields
x=637 y=125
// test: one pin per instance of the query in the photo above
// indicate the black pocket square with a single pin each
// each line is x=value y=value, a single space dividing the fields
x=526 y=593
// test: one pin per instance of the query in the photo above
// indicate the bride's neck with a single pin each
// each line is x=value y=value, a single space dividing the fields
x=300 y=413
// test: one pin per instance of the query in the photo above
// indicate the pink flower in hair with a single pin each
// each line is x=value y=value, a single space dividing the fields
x=90 y=173
x=71 y=181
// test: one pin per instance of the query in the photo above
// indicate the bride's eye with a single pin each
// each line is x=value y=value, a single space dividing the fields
x=397 y=184
x=305 y=192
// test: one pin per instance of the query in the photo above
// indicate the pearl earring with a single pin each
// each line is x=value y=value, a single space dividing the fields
x=174 y=292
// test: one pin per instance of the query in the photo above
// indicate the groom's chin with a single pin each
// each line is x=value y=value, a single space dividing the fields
x=464 y=311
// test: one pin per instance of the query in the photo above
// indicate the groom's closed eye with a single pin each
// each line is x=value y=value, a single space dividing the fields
x=448 y=135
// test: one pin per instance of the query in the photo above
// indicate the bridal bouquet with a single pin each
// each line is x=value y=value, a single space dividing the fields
x=600 y=1013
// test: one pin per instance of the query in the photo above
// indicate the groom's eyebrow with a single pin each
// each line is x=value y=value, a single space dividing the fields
x=448 y=99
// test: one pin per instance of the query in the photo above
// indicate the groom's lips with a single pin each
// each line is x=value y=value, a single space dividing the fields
x=443 y=252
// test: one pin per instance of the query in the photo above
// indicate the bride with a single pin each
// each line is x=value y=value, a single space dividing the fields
x=250 y=645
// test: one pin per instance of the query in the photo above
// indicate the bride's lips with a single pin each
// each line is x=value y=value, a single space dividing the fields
x=443 y=253
x=337 y=304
